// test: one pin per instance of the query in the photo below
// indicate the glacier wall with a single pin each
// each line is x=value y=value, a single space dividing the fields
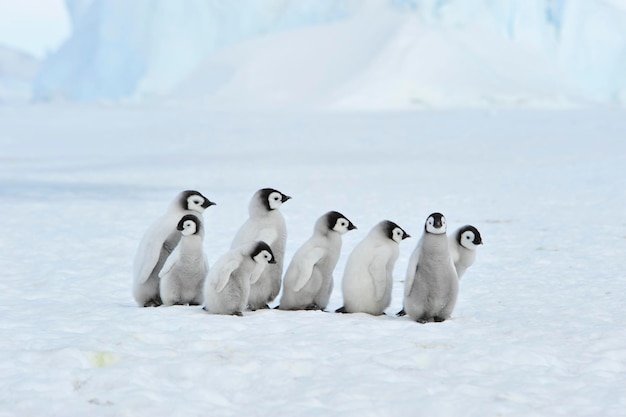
x=146 y=48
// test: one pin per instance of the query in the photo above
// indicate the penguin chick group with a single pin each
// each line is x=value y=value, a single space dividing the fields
x=171 y=268
x=160 y=240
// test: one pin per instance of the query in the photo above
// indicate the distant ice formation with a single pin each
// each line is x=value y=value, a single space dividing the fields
x=17 y=72
x=344 y=53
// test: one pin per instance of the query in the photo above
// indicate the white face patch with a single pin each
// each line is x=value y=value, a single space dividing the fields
x=397 y=234
x=189 y=228
x=430 y=226
x=341 y=226
x=263 y=256
x=467 y=240
x=194 y=202
x=275 y=200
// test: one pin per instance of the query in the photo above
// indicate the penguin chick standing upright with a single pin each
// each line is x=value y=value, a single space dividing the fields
x=432 y=285
x=308 y=282
x=184 y=271
x=266 y=223
x=158 y=242
x=227 y=287
x=368 y=276
x=463 y=243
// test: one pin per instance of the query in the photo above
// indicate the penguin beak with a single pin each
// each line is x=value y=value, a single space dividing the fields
x=208 y=203
x=406 y=236
x=272 y=261
x=351 y=226
x=285 y=198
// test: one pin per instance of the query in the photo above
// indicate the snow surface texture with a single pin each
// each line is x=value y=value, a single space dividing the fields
x=538 y=329
x=350 y=54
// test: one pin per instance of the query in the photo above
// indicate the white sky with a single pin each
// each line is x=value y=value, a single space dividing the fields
x=33 y=26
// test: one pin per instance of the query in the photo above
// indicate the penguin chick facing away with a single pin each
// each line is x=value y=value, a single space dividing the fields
x=227 y=286
x=184 y=271
x=463 y=243
x=432 y=285
x=158 y=243
x=368 y=276
x=265 y=223
x=308 y=281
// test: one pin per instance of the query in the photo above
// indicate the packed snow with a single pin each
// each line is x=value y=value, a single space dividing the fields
x=538 y=328
x=383 y=54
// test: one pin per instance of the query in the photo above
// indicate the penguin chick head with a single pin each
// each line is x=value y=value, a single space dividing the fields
x=337 y=222
x=271 y=199
x=394 y=232
x=189 y=225
x=194 y=201
x=436 y=224
x=469 y=237
x=262 y=253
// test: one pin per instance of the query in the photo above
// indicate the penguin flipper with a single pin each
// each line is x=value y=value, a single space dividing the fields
x=305 y=269
x=150 y=247
x=169 y=262
x=412 y=269
x=224 y=275
x=378 y=270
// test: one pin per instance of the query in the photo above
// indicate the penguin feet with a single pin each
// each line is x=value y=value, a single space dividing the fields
x=341 y=310
x=263 y=307
x=401 y=313
x=153 y=303
x=237 y=313
x=312 y=306
x=438 y=319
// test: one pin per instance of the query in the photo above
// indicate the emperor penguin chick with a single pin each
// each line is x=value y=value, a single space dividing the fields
x=158 y=243
x=227 y=288
x=463 y=243
x=368 y=276
x=308 y=282
x=184 y=271
x=432 y=285
x=266 y=223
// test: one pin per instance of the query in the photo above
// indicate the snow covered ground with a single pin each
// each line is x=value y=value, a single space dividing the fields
x=538 y=329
